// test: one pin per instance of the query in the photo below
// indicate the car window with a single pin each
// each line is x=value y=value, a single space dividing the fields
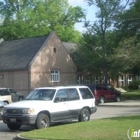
x=98 y=87
x=73 y=94
x=11 y=91
x=85 y=93
x=92 y=87
x=61 y=95
x=1 y=92
x=110 y=88
x=41 y=94
x=4 y=92
x=104 y=87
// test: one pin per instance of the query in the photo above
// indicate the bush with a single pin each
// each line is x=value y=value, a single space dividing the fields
x=134 y=84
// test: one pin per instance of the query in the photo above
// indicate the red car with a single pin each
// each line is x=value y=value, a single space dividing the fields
x=103 y=92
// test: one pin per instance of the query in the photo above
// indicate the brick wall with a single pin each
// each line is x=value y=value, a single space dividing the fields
x=18 y=80
x=53 y=56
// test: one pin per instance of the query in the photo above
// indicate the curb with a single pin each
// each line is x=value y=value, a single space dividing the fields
x=113 y=105
x=18 y=137
x=126 y=103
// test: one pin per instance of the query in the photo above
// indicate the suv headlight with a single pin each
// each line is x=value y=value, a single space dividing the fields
x=28 y=111
x=4 y=110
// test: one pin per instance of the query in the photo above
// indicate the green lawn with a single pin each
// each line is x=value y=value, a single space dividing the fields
x=131 y=95
x=104 y=129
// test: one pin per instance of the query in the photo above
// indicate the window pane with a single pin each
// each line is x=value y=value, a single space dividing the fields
x=61 y=95
x=73 y=94
x=85 y=93
x=55 y=76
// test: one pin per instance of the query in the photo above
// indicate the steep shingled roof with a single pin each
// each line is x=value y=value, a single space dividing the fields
x=70 y=47
x=17 y=54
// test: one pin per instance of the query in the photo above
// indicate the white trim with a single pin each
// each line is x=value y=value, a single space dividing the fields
x=55 y=76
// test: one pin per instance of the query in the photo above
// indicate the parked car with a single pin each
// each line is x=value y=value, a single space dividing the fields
x=103 y=92
x=2 y=104
x=8 y=95
x=49 y=105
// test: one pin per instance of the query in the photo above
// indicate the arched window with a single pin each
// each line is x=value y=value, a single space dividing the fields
x=54 y=50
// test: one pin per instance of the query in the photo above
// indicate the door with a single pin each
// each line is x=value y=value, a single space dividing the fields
x=60 y=109
x=74 y=103
x=14 y=95
x=112 y=93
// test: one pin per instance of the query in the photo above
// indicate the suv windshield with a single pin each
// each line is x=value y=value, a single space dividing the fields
x=41 y=94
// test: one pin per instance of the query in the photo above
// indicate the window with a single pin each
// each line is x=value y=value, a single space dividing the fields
x=98 y=87
x=73 y=94
x=11 y=91
x=104 y=87
x=122 y=80
x=96 y=79
x=4 y=92
x=41 y=94
x=85 y=93
x=110 y=88
x=55 y=76
x=61 y=96
x=129 y=79
x=54 y=50
x=138 y=77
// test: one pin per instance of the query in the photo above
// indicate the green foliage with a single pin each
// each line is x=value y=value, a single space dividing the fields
x=129 y=23
x=131 y=94
x=134 y=84
x=22 y=19
x=126 y=56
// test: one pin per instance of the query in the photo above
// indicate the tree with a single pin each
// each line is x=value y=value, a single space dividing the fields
x=127 y=54
x=107 y=11
x=30 y=18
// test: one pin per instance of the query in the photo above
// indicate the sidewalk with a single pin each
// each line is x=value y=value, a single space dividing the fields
x=125 y=103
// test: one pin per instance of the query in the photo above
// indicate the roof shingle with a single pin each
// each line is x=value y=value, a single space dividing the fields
x=17 y=54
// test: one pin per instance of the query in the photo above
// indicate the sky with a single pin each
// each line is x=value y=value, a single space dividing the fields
x=90 y=12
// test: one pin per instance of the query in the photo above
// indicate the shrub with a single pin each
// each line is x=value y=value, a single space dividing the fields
x=134 y=84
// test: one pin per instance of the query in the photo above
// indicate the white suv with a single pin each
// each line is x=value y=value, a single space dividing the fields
x=50 y=104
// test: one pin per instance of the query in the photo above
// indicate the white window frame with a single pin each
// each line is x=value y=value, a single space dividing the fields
x=122 y=80
x=96 y=80
x=55 y=76
x=138 y=77
x=129 y=79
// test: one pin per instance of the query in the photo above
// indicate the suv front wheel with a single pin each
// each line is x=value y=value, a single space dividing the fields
x=42 y=121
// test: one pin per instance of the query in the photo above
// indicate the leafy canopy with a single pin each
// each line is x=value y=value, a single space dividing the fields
x=29 y=18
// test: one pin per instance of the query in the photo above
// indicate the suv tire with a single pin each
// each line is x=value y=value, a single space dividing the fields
x=84 y=115
x=102 y=100
x=13 y=126
x=42 y=121
x=118 y=99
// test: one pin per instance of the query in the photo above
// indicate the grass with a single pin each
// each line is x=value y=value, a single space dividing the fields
x=134 y=95
x=104 y=129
